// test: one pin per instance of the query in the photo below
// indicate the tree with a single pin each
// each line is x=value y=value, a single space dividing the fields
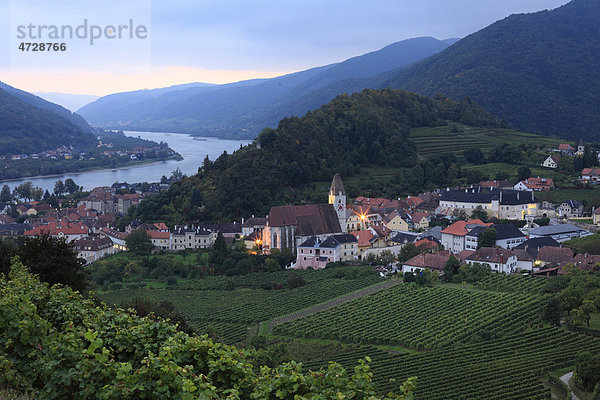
x=552 y=311
x=295 y=280
x=53 y=259
x=24 y=191
x=523 y=173
x=570 y=298
x=59 y=188
x=139 y=242
x=71 y=186
x=37 y=193
x=425 y=277
x=408 y=277
x=479 y=213
x=176 y=175
x=487 y=238
x=451 y=268
x=5 y=194
x=587 y=369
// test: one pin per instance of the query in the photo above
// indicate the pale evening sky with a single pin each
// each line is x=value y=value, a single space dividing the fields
x=220 y=41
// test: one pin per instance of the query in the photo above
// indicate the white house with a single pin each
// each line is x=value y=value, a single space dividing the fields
x=453 y=237
x=93 y=248
x=503 y=204
x=499 y=260
x=316 y=253
x=551 y=162
x=507 y=236
x=191 y=238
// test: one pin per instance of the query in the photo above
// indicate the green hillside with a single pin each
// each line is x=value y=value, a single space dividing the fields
x=27 y=128
x=538 y=71
x=367 y=129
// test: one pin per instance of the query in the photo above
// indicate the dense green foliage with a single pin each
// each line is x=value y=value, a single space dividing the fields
x=531 y=69
x=53 y=259
x=589 y=244
x=587 y=370
x=498 y=369
x=370 y=128
x=578 y=293
x=450 y=316
x=25 y=128
x=54 y=344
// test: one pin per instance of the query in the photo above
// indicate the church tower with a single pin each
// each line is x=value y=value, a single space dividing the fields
x=337 y=198
x=580 y=148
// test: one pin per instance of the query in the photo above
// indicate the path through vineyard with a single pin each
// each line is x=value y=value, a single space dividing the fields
x=332 y=303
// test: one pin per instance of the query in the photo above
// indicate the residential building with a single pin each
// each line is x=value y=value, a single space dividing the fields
x=315 y=253
x=118 y=238
x=549 y=256
x=502 y=204
x=537 y=184
x=160 y=240
x=533 y=246
x=499 y=260
x=596 y=216
x=453 y=237
x=359 y=219
x=69 y=232
x=419 y=220
x=253 y=225
x=434 y=261
x=566 y=149
x=570 y=209
x=93 y=248
x=507 y=236
x=585 y=261
x=191 y=237
x=590 y=175
x=560 y=233
x=551 y=162
x=394 y=222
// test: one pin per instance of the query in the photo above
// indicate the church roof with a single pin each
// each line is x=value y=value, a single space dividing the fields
x=337 y=186
x=311 y=219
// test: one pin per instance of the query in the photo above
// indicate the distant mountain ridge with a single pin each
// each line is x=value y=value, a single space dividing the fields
x=71 y=102
x=539 y=71
x=243 y=109
x=29 y=124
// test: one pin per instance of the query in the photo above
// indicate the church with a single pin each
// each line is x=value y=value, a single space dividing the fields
x=288 y=226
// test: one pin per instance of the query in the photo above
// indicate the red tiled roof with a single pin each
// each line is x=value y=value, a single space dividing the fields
x=491 y=254
x=161 y=226
x=463 y=255
x=363 y=237
x=54 y=228
x=436 y=260
x=158 y=234
x=555 y=255
x=426 y=244
x=590 y=171
x=585 y=261
x=459 y=228
x=564 y=146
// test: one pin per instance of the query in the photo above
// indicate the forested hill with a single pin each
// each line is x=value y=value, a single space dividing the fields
x=370 y=128
x=540 y=71
x=31 y=128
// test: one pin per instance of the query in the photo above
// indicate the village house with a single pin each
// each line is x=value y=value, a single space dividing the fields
x=590 y=175
x=570 y=209
x=551 y=162
x=359 y=219
x=453 y=236
x=394 y=222
x=585 y=261
x=253 y=225
x=253 y=239
x=190 y=237
x=498 y=203
x=13 y=229
x=533 y=246
x=69 y=232
x=560 y=233
x=316 y=254
x=93 y=248
x=507 y=236
x=419 y=220
x=537 y=184
x=499 y=260
x=160 y=240
x=433 y=261
x=118 y=238
x=549 y=256
x=566 y=149
x=596 y=216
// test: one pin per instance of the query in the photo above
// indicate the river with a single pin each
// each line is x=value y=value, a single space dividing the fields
x=193 y=152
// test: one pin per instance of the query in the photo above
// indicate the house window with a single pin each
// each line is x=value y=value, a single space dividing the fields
x=274 y=240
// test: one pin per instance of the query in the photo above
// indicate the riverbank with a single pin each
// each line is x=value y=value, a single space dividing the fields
x=131 y=165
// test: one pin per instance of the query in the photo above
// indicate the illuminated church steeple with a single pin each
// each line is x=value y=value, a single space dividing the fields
x=337 y=198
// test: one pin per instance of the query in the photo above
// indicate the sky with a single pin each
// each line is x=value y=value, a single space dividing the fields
x=219 y=41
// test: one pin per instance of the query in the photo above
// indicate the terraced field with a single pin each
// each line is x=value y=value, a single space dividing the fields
x=508 y=368
x=444 y=140
x=421 y=318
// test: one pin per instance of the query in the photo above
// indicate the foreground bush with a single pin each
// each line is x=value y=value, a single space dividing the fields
x=56 y=344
